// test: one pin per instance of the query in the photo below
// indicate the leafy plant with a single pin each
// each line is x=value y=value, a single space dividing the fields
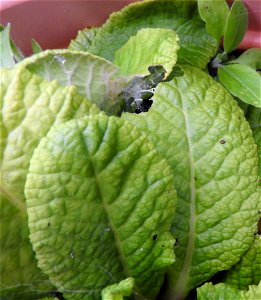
x=133 y=173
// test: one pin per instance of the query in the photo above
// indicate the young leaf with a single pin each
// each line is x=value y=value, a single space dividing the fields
x=248 y=270
x=93 y=76
x=149 y=47
x=199 y=128
x=251 y=58
x=242 y=82
x=225 y=291
x=83 y=40
x=100 y=202
x=197 y=47
x=236 y=26
x=119 y=290
x=6 y=57
x=9 y=48
x=215 y=14
x=20 y=276
x=36 y=47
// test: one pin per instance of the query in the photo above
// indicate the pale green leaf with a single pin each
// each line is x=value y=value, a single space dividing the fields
x=100 y=202
x=117 y=291
x=236 y=26
x=149 y=47
x=248 y=270
x=223 y=291
x=30 y=106
x=215 y=14
x=242 y=82
x=199 y=128
x=10 y=54
x=83 y=40
x=197 y=47
x=93 y=76
x=20 y=277
x=36 y=47
x=6 y=57
x=251 y=58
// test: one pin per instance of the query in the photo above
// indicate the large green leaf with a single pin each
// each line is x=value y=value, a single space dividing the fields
x=242 y=82
x=199 y=128
x=149 y=47
x=117 y=291
x=93 y=76
x=100 y=202
x=30 y=105
x=196 y=45
x=236 y=26
x=215 y=14
x=83 y=40
x=224 y=291
x=20 y=276
x=251 y=58
x=248 y=270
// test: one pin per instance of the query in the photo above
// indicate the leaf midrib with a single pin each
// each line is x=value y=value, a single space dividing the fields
x=180 y=285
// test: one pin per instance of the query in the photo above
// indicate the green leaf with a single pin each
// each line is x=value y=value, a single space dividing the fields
x=119 y=290
x=224 y=291
x=83 y=40
x=6 y=57
x=100 y=202
x=199 y=128
x=236 y=26
x=20 y=276
x=197 y=47
x=242 y=82
x=36 y=47
x=248 y=270
x=253 y=116
x=10 y=54
x=149 y=47
x=251 y=58
x=215 y=14
x=93 y=76
x=30 y=106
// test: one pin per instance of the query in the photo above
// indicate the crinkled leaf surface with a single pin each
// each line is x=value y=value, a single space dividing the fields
x=149 y=47
x=224 y=291
x=93 y=76
x=242 y=82
x=196 y=45
x=251 y=58
x=84 y=39
x=236 y=26
x=119 y=290
x=100 y=202
x=248 y=270
x=20 y=276
x=253 y=116
x=215 y=14
x=30 y=105
x=199 y=128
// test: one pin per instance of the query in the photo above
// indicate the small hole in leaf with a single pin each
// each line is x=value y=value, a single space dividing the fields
x=195 y=178
x=49 y=224
x=155 y=236
x=176 y=242
x=163 y=246
x=222 y=142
